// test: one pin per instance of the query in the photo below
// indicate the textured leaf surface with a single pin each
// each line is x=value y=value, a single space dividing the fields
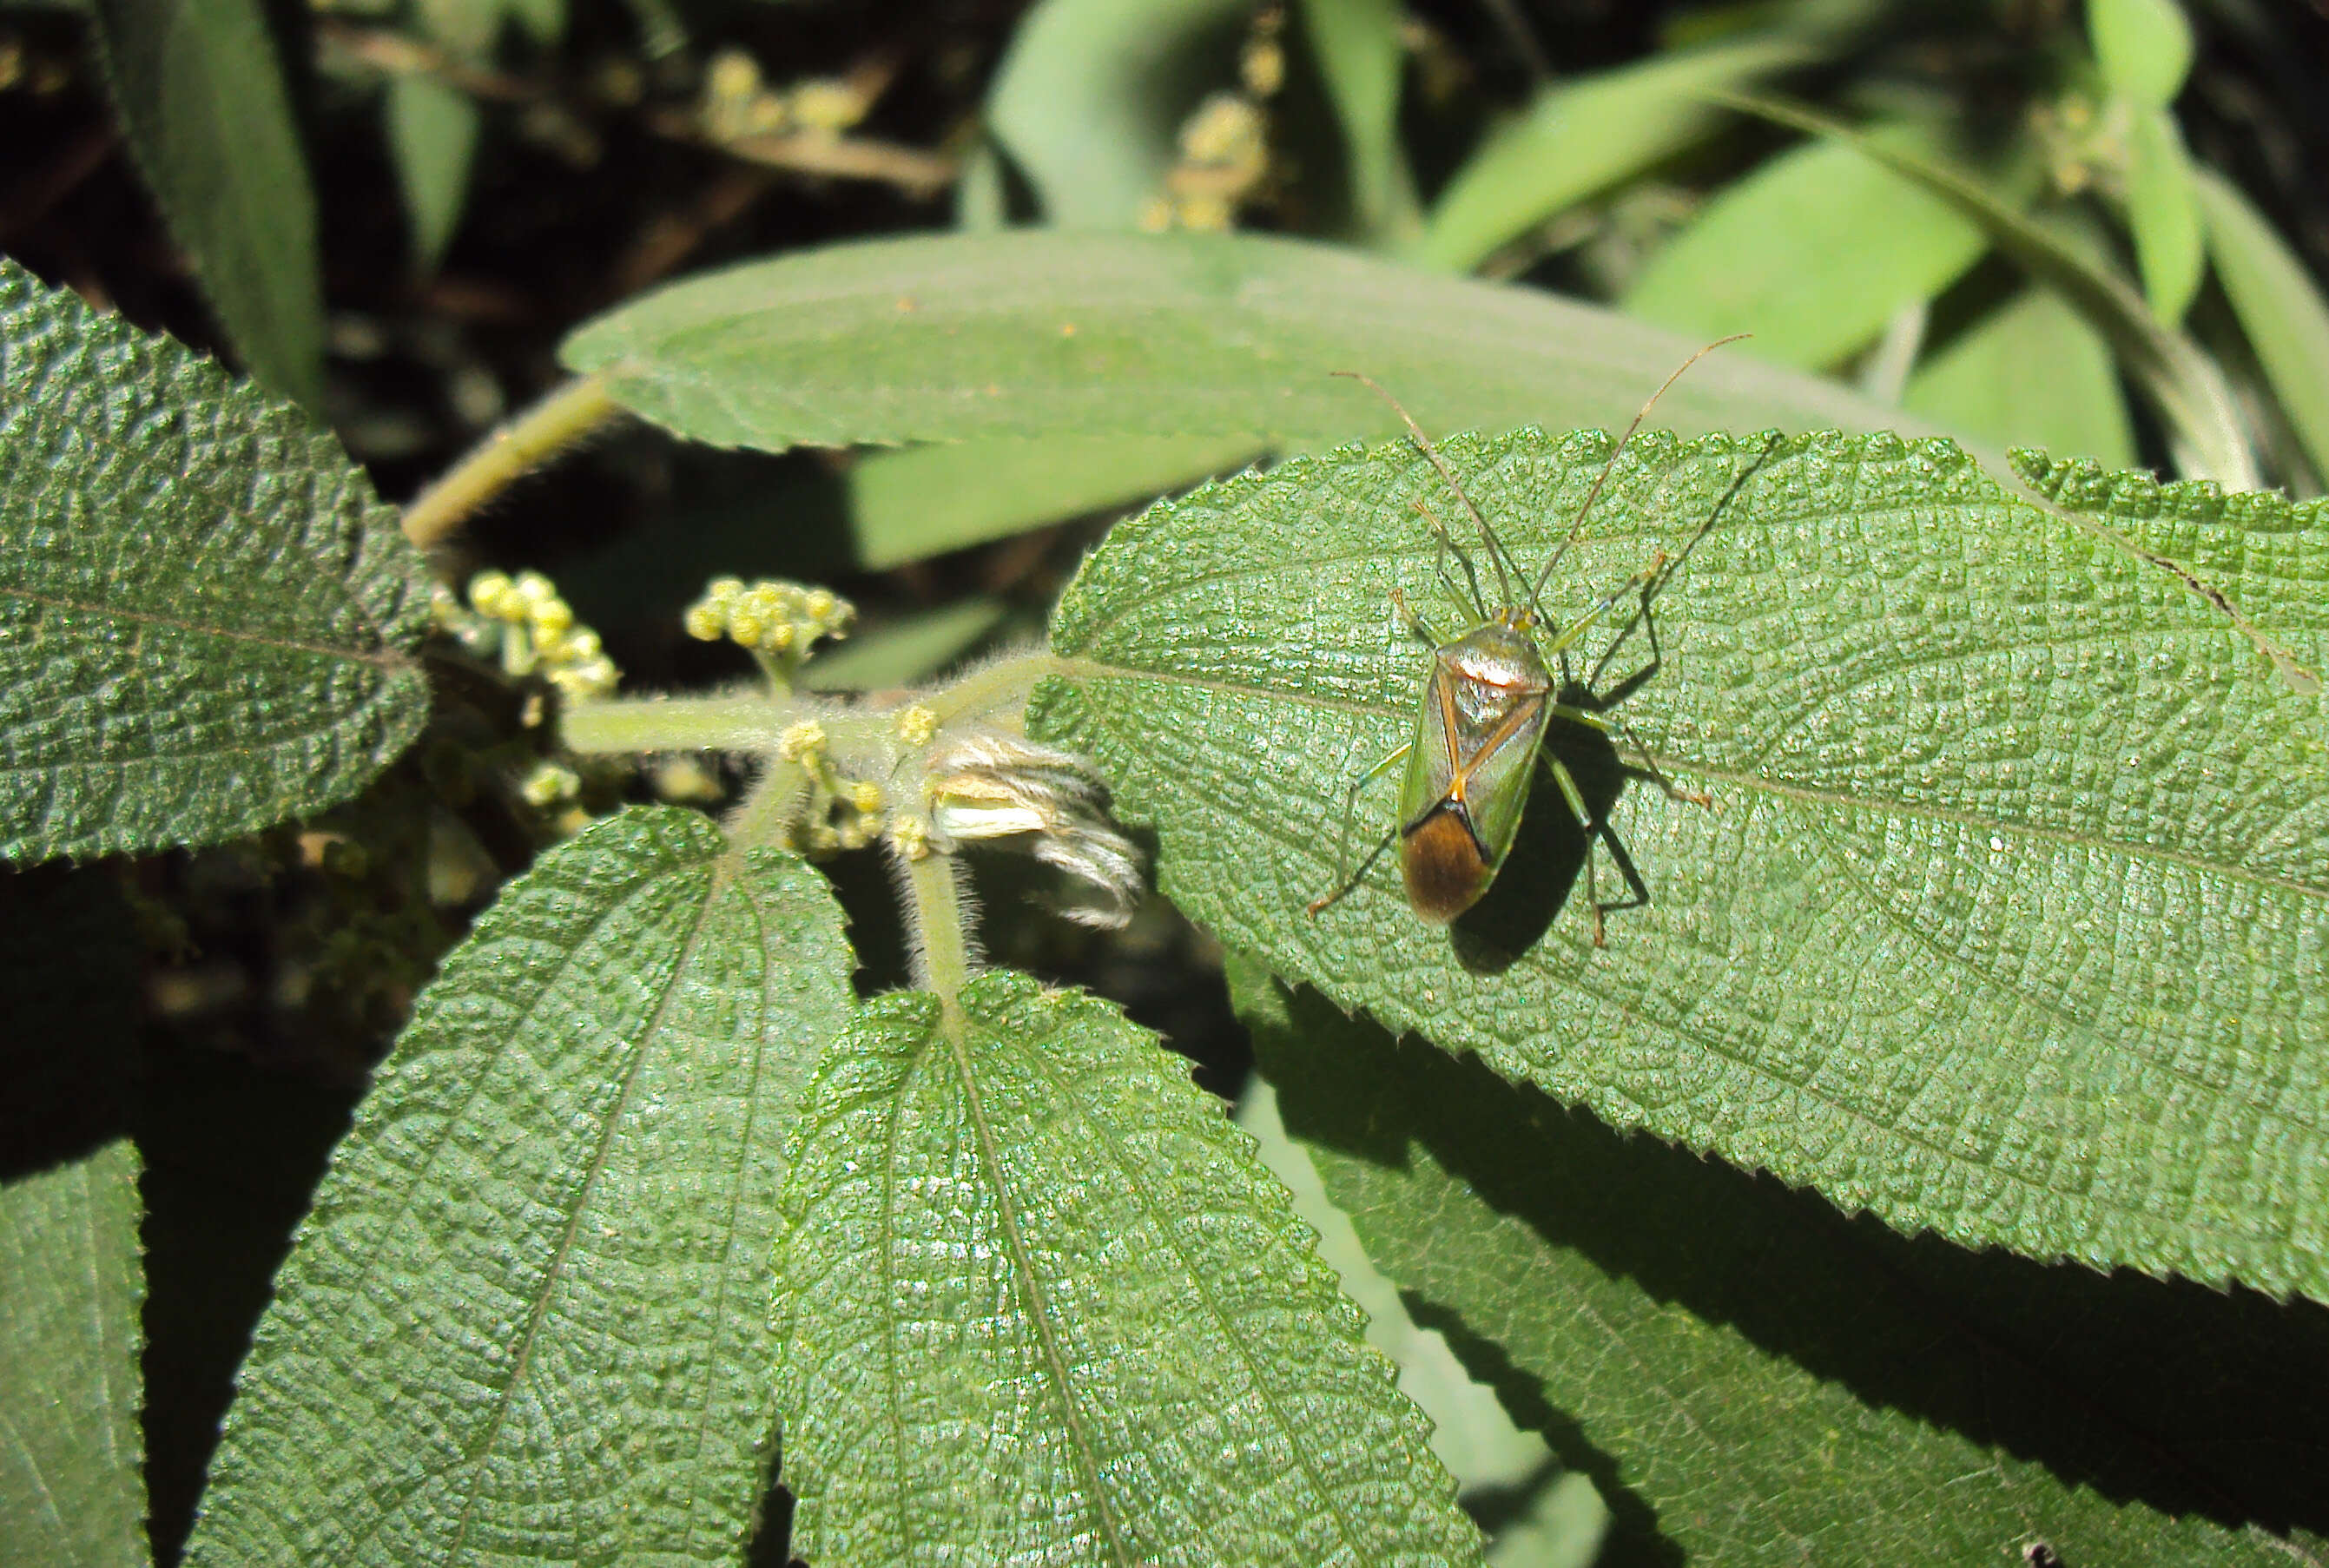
x=206 y=617
x=2013 y=920
x=1750 y=1381
x=1034 y=333
x=201 y=97
x=1041 y=1302
x=527 y=1321
x=2030 y=373
x=1813 y=254
x=71 y=1491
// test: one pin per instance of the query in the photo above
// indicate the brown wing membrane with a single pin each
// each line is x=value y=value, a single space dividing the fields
x=1446 y=872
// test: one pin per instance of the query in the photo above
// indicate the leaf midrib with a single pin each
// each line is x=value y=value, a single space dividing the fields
x=1081 y=670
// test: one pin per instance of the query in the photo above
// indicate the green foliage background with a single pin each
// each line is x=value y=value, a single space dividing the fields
x=679 y=1226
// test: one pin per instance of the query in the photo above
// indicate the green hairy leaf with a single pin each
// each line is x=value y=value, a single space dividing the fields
x=528 y=1317
x=1038 y=1299
x=1750 y=1381
x=959 y=337
x=70 y=1493
x=206 y=617
x=203 y=101
x=2009 y=919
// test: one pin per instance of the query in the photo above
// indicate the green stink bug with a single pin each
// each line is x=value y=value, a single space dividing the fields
x=1487 y=700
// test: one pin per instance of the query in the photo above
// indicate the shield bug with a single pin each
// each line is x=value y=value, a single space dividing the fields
x=1488 y=699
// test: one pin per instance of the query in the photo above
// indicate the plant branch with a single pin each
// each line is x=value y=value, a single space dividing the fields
x=567 y=416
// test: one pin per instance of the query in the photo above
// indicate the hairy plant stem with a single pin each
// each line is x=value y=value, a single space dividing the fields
x=754 y=721
x=512 y=451
x=939 y=930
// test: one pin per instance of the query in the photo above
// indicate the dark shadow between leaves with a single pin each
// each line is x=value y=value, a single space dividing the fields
x=68 y=960
x=2184 y=1398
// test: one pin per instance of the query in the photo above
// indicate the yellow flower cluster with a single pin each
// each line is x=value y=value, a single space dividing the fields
x=541 y=635
x=779 y=622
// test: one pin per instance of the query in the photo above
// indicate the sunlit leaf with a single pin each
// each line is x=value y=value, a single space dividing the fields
x=2011 y=918
x=2030 y=372
x=1038 y=1298
x=2280 y=308
x=2182 y=382
x=1089 y=98
x=1586 y=135
x=2163 y=214
x=960 y=337
x=206 y=617
x=2144 y=46
x=1754 y=1381
x=528 y=1316
x=1360 y=59
x=1813 y=253
x=924 y=501
x=70 y=1491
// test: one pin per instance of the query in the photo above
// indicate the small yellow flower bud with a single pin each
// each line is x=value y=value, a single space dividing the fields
x=548 y=785
x=745 y=624
x=800 y=740
x=487 y=592
x=551 y=616
x=704 y=622
x=916 y=725
x=723 y=589
x=532 y=588
x=865 y=795
x=912 y=837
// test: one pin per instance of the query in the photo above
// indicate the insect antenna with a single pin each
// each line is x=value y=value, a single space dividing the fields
x=1577 y=527
x=1506 y=569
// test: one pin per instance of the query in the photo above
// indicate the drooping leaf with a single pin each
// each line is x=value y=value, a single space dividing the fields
x=924 y=501
x=2030 y=372
x=2163 y=214
x=432 y=131
x=1751 y=1380
x=2013 y=918
x=1360 y=59
x=2280 y=309
x=2143 y=47
x=1813 y=253
x=1091 y=94
x=959 y=337
x=1584 y=135
x=202 y=98
x=1038 y=1297
x=528 y=1316
x=2182 y=382
x=206 y=617
x=71 y=1491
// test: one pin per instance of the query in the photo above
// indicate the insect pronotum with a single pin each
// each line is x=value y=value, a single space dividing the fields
x=1487 y=700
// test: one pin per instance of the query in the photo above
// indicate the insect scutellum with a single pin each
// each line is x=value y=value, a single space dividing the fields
x=1487 y=700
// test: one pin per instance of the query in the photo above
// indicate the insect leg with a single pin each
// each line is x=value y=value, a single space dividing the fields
x=1609 y=724
x=1342 y=886
x=1598 y=828
x=1448 y=546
